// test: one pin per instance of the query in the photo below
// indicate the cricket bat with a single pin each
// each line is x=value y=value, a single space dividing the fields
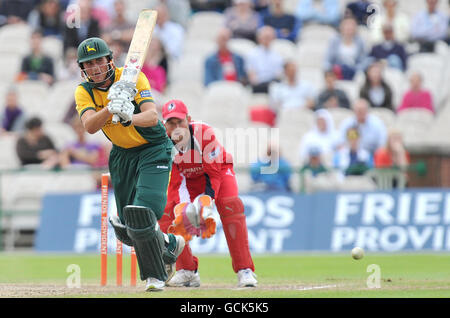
x=138 y=48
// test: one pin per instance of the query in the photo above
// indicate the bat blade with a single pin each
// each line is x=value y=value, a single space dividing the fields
x=137 y=51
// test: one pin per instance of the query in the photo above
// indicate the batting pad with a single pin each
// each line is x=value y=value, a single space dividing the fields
x=120 y=230
x=148 y=241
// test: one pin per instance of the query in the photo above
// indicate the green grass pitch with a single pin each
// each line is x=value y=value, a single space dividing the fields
x=279 y=275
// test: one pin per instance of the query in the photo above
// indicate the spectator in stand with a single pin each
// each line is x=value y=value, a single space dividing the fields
x=13 y=11
x=292 y=92
x=429 y=26
x=371 y=129
x=263 y=65
x=170 y=33
x=399 y=21
x=346 y=53
x=119 y=49
x=12 y=117
x=88 y=26
x=393 y=154
x=37 y=66
x=70 y=71
x=272 y=180
x=323 y=12
x=361 y=10
x=286 y=25
x=81 y=154
x=352 y=158
x=120 y=28
x=313 y=163
x=321 y=137
x=36 y=148
x=224 y=65
x=242 y=20
x=331 y=96
x=156 y=74
x=209 y=5
x=390 y=50
x=375 y=89
x=47 y=17
x=417 y=96
x=179 y=10
x=261 y=6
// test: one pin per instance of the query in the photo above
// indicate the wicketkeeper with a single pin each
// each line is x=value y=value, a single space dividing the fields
x=202 y=180
x=140 y=159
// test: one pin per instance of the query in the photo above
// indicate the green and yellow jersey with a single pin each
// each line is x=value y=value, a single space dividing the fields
x=131 y=136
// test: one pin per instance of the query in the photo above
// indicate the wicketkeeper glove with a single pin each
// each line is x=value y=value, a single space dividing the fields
x=195 y=218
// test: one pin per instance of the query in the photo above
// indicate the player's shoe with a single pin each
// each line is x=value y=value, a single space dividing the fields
x=246 y=278
x=171 y=268
x=185 y=278
x=154 y=284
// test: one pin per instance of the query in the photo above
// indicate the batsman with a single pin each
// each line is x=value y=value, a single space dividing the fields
x=140 y=160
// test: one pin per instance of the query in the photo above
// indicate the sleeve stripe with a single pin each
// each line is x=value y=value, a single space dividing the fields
x=87 y=108
x=146 y=100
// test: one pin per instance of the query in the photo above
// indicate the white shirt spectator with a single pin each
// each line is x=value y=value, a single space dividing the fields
x=266 y=64
x=291 y=96
x=172 y=37
x=372 y=131
x=430 y=27
x=322 y=137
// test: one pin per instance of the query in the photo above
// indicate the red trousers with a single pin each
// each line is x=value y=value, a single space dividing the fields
x=231 y=211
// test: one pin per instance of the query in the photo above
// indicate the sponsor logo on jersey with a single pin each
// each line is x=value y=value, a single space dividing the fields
x=145 y=93
x=214 y=154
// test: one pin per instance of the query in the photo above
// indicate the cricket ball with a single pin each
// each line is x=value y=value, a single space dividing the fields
x=357 y=253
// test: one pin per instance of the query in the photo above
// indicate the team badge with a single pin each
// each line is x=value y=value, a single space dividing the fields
x=171 y=107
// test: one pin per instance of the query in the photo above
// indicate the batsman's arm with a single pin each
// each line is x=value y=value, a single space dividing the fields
x=148 y=117
x=93 y=121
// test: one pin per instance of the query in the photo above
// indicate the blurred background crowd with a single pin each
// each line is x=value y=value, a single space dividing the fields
x=352 y=85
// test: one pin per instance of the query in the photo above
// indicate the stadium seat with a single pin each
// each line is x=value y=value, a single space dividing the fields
x=224 y=104
x=204 y=25
x=60 y=132
x=311 y=54
x=313 y=75
x=357 y=183
x=53 y=47
x=59 y=100
x=23 y=191
x=350 y=88
x=415 y=125
x=315 y=32
x=339 y=114
x=15 y=38
x=189 y=92
x=398 y=82
x=327 y=181
x=190 y=67
x=10 y=65
x=241 y=46
x=386 y=115
x=8 y=157
x=200 y=47
x=32 y=96
x=285 y=48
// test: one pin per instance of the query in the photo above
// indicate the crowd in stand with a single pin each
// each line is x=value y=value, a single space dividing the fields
x=359 y=143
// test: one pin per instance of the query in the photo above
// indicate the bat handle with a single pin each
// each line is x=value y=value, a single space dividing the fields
x=115 y=119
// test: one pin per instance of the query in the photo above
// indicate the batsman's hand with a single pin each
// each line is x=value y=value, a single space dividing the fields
x=121 y=94
x=123 y=109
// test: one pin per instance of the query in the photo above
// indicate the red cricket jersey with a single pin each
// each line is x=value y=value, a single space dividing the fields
x=201 y=168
